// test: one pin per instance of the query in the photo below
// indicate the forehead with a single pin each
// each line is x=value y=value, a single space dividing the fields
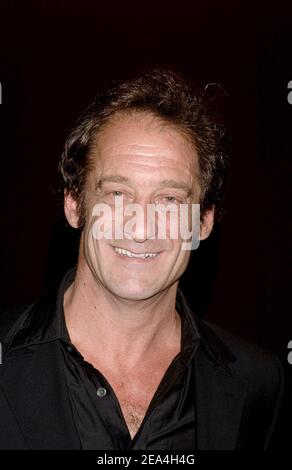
x=144 y=140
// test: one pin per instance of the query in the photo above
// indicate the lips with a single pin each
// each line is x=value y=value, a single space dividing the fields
x=130 y=254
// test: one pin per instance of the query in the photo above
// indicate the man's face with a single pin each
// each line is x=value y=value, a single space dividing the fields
x=138 y=159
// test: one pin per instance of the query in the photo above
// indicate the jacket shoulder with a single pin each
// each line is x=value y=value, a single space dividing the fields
x=250 y=361
x=266 y=386
x=9 y=317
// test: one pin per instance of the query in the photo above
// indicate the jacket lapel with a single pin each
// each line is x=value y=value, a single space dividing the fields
x=33 y=384
x=220 y=395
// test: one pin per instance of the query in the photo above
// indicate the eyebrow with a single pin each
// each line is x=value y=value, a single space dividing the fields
x=164 y=183
x=112 y=179
x=177 y=185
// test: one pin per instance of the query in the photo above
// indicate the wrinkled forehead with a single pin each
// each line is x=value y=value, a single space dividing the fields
x=144 y=138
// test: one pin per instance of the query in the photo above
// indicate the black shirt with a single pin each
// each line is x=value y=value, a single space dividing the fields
x=169 y=422
x=225 y=394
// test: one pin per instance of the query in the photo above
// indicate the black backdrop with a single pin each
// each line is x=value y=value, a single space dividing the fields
x=53 y=58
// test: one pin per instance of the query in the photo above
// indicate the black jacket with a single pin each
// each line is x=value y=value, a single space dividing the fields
x=238 y=388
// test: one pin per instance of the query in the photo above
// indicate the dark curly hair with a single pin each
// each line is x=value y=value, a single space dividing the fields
x=167 y=95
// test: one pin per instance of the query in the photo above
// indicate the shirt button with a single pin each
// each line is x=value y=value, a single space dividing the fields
x=101 y=392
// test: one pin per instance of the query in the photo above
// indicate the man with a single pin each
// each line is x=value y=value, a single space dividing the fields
x=114 y=358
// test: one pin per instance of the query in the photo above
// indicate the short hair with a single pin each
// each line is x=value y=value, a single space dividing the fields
x=167 y=95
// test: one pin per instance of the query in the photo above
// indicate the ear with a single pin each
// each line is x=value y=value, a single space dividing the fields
x=207 y=223
x=71 y=209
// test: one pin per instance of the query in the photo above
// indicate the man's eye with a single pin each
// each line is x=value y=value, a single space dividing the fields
x=117 y=193
x=170 y=198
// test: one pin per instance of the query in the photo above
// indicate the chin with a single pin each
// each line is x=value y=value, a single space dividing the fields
x=132 y=292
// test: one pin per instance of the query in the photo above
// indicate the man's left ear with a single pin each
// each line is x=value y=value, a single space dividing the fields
x=207 y=223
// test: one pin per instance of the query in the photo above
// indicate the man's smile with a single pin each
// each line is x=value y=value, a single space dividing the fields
x=135 y=256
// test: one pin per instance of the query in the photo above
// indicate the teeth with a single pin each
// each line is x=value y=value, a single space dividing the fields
x=121 y=251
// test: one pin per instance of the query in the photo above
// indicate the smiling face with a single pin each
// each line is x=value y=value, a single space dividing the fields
x=142 y=160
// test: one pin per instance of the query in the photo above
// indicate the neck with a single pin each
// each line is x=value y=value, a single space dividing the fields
x=121 y=331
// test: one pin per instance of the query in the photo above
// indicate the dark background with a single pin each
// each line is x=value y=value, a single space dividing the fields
x=55 y=56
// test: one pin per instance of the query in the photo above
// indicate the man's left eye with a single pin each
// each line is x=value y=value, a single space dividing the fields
x=117 y=193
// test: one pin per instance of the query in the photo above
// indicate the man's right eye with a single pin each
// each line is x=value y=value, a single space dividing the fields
x=117 y=193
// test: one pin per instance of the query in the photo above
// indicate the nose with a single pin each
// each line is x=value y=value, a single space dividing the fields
x=140 y=227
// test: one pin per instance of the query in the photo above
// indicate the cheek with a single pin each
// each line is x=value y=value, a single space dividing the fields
x=92 y=244
x=180 y=222
x=182 y=261
x=167 y=225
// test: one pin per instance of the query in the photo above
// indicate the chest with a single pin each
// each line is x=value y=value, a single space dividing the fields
x=134 y=413
x=134 y=391
x=134 y=397
x=134 y=394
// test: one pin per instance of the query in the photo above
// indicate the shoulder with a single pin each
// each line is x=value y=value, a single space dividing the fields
x=249 y=360
x=9 y=317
